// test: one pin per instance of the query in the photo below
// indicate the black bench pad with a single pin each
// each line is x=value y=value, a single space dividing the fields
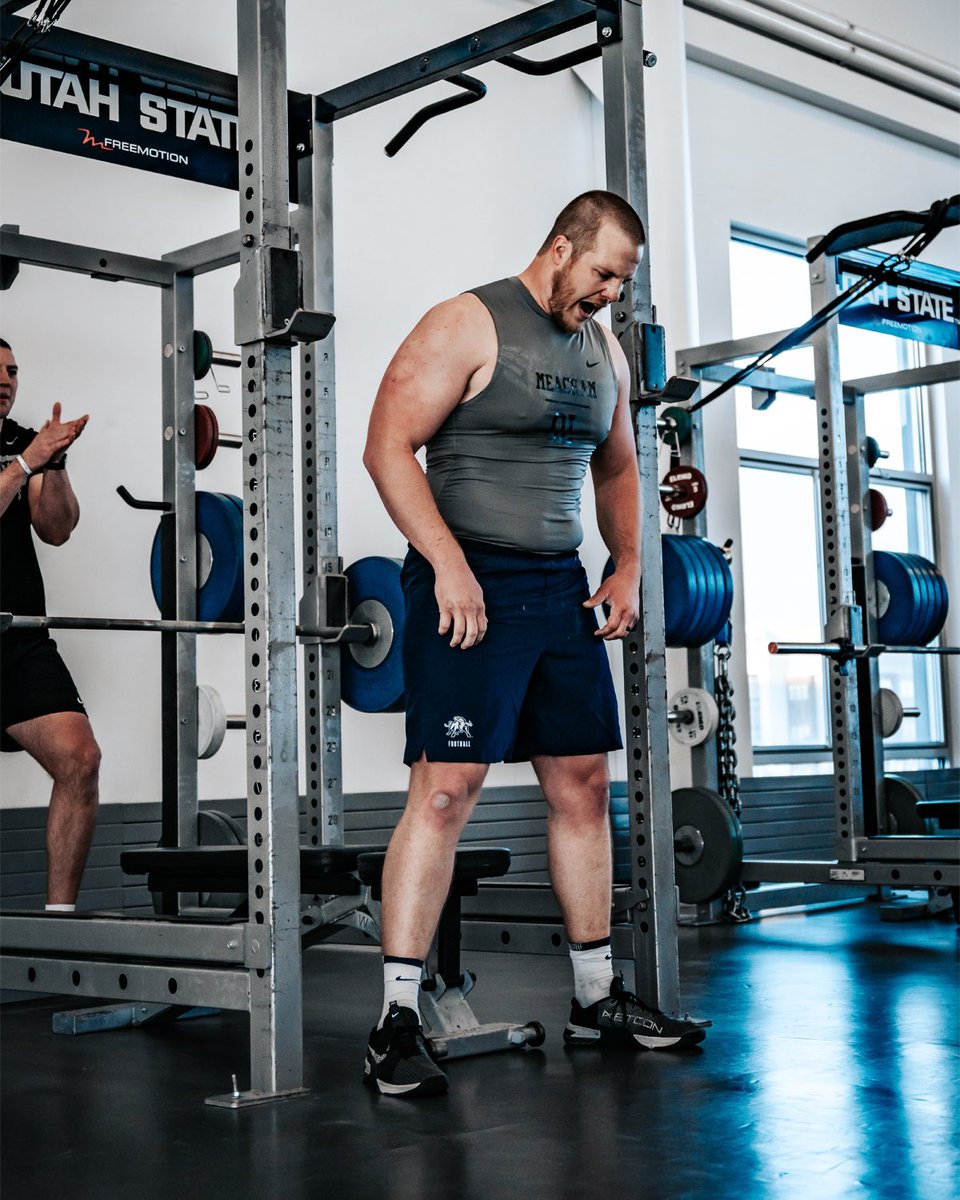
x=470 y=864
x=224 y=868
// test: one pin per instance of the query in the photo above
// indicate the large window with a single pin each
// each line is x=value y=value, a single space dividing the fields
x=780 y=524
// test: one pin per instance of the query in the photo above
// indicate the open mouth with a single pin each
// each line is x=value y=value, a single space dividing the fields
x=586 y=308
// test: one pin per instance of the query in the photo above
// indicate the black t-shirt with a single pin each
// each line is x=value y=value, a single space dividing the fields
x=21 y=584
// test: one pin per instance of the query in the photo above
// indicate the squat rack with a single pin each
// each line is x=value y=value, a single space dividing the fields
x=867 y=851
x=285 y=296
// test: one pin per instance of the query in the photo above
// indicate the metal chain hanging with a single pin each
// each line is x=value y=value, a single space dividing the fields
x=728 y=782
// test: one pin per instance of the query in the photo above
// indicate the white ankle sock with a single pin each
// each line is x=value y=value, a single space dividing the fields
x=401 y=983
x=592 y=970
x=60 y=908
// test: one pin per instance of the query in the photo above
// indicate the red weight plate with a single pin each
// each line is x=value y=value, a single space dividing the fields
x=877 y=510
x=206 y=436
x=689 y=492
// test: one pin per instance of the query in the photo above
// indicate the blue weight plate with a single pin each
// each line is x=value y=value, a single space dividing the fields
x=235 y=606
x=936 y=612
x=922 y=572
x=726 y=605
x=680 y=593
x=901 y=615
x=704 y=598
x=943 y=606
x=714 y=589
x=723 y=586
x=712 y=583
x=216 y=521
x=375 y=688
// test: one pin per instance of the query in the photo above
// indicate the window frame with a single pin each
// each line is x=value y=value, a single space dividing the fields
x=932 y=752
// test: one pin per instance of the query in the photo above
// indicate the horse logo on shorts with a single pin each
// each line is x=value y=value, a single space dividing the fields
x=459 y=731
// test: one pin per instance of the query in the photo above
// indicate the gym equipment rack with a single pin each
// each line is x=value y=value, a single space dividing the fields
x=284 y=296
x=866 y=853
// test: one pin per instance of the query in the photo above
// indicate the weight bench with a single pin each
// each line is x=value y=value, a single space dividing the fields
x=324 y=871
x=344 y=872
x=453 y=1030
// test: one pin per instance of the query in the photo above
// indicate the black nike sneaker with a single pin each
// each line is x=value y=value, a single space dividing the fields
x=398 y=1061
x=621 y=1018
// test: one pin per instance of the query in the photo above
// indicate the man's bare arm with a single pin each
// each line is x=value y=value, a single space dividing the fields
x=428 y=377
x=616 y=481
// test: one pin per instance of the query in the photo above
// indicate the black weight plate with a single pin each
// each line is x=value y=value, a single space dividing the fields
x=699 y=582
x=900 y=798
x=202 y=353
x=711 y=864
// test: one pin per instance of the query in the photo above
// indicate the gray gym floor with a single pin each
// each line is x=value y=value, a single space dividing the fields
x=831 y=1071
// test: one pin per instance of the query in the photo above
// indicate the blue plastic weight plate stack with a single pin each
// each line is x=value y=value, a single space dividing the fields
x=219 y=522
x=918 y=599
x=697 y=589
x=377 y=688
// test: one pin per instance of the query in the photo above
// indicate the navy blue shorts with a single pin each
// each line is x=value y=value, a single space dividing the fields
x=34 y=682
x=538 y=683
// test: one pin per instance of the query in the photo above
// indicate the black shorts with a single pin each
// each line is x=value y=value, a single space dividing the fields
x=538 y=683
x=34 y=682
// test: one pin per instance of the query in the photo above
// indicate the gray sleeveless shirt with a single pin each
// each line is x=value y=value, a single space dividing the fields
x=507 y=466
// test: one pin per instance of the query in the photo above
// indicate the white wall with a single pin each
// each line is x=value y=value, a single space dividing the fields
x=468 y=200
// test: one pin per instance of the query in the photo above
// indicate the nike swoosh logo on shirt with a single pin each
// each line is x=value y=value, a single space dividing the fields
x=593 y=364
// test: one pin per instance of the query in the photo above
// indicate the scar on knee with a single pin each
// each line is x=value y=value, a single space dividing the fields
x=441 y=801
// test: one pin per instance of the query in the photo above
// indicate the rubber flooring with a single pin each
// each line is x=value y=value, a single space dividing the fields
x=831 y=1070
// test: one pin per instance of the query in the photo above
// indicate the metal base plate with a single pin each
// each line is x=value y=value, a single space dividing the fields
x=248 y=1099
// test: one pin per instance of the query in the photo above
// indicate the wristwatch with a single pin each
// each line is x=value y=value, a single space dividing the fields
x=56 y=466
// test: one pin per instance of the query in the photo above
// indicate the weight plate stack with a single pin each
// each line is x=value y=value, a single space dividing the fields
x=918 y=598
x=704 y=587
x=371 y=674
x=697 y=589
x=219 y=529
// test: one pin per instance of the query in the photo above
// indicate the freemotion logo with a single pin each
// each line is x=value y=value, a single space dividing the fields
x=90 y=140
x=111 y=144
